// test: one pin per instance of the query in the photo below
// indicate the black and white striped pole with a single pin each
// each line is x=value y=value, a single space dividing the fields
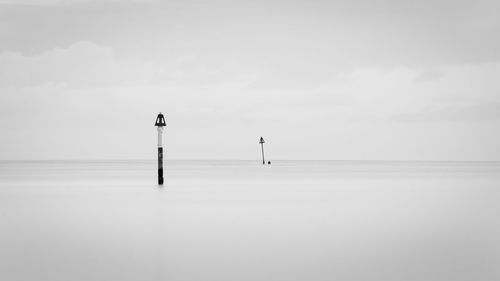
x=262 y=146
x=160 y=123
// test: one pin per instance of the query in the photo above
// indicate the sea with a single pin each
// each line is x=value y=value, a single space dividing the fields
x=241 y=220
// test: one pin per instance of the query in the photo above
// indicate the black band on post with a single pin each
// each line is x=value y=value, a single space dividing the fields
x=160 y=165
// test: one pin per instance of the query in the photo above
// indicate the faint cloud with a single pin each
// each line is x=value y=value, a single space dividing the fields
x=83 y=64
x=66 y=2
x=88 y=65
x=474 y=112
x=429 y=75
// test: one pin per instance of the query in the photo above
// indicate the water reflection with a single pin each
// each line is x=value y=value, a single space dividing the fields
x=289 y=221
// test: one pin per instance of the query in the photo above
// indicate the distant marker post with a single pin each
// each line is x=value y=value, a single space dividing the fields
x=160 y=123
x=262 y=146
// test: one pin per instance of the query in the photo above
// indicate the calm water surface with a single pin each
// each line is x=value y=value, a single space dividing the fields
x=239 y=220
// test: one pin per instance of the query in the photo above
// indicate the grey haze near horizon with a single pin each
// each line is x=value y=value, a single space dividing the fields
x=397 y=80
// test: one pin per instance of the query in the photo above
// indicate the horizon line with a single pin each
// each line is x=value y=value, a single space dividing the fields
x=277 y=160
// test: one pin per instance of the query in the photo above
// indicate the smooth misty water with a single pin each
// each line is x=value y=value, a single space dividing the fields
x=244 y=221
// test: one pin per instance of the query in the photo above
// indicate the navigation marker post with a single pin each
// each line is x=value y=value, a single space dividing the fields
x=262 y=146
x=160 y=123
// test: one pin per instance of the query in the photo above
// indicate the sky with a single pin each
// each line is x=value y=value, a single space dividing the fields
x=318 y=79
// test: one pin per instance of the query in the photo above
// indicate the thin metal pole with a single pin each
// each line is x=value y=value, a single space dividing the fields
x=263 y=161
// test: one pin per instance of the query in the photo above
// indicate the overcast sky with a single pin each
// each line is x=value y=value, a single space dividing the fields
x=318 y=79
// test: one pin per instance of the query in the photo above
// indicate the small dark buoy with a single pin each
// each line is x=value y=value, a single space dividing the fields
x=269 y=162
x=160 y=123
